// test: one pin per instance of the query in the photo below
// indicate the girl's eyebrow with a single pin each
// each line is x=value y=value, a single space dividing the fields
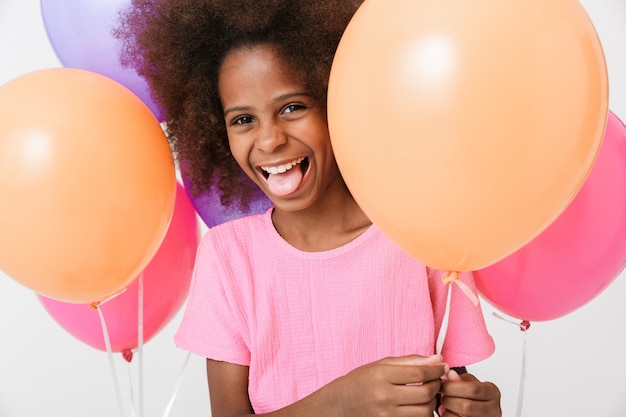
x=289 y=95
x=275 y=100
x=237 y=109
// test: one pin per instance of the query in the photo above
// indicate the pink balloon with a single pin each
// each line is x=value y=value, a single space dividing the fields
x=166 y=282
x=578 y=255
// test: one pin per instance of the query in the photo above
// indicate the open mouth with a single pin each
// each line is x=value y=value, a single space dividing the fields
x=281 y=169
x=285 y=179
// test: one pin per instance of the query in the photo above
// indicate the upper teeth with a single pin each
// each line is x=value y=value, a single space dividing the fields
x=282 y=168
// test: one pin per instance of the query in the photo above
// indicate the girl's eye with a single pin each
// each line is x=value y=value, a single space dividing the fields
x=292 y=108
x=242 y=120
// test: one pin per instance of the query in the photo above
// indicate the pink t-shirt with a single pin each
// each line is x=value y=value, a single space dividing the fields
x=301 y=319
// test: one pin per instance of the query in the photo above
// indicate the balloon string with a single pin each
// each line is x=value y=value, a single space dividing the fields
x=107 y=343
x=133 y=411
x=522 y=381
x=140 y=341
x=523 y=326
x=168 y=408
x=452 y=278
x=96 y=304
x=444 y=324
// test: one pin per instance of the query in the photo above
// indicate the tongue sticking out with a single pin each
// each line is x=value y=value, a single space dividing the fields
x=285 y=183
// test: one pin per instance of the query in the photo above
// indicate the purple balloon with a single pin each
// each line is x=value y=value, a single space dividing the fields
x=212 y=212
x=81 y=34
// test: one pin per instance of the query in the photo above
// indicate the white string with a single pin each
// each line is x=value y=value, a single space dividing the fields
x=133 y=412
x=168 y=408
x=449 y=279
x=107 y=343
x=522 y=381
x=467 y=291
x=523 y=326
x=446 y=318
x=501 y=317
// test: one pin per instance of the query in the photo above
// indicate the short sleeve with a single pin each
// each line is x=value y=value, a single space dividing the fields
x=467 y=340
x=212 y=324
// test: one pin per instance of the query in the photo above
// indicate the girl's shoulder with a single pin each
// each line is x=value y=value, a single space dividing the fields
x=242 y=224
x=253 y=224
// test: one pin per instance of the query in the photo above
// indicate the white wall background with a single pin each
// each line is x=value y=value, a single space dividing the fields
x=576 y=364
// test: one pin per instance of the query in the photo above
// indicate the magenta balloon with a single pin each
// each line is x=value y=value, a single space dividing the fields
x=212 y=212
x=166 y=282
x=80 y=33
x=578 y=255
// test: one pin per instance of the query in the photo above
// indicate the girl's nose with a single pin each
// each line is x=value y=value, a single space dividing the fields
x=271 y=137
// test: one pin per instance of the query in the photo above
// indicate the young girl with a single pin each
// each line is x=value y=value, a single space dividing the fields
x=306 y=310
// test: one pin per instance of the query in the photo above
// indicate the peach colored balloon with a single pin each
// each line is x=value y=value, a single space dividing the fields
x=464 y=128
x=87 y=182
x=165 y=281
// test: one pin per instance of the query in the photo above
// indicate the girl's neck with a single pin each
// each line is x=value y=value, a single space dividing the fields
x=330 y=223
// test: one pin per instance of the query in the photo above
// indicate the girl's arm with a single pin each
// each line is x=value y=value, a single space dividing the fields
x=401 y=386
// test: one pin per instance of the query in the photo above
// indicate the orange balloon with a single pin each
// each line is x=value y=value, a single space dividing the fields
x=464 y=128
x=87 y=181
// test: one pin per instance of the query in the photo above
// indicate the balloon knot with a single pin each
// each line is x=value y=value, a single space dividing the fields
x=450 y=277
x=454 y=277
x=127 y=355
x=524 y=325
x=94 y=305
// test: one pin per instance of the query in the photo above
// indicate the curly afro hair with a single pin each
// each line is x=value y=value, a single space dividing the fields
x=178 y=47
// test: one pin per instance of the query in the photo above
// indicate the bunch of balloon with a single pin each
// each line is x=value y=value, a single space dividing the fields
x=576 y=257
x=450 y=127
x=164 y=287
x=88 y=184
x=81 y=33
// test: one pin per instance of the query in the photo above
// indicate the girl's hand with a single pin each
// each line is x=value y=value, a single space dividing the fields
x=464 y=395
x=398 y=386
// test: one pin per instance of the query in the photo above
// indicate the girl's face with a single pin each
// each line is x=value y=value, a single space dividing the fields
x=278 y=132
